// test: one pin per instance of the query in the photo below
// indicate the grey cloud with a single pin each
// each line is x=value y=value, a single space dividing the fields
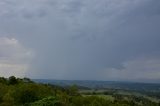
x=73 y=39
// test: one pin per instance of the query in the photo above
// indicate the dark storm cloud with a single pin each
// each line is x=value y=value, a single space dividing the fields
x=87 y=39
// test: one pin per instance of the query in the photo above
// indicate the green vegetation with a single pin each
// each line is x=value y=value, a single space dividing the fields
x=24 y=92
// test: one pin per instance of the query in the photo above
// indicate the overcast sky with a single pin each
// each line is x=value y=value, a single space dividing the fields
x=80 y=39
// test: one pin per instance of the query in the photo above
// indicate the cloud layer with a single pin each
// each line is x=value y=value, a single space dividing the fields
x=87 y=39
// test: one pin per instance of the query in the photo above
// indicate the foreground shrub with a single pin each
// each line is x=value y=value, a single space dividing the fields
x=49 y=101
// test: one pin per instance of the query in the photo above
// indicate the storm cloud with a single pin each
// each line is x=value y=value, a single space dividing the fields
x=86 y=39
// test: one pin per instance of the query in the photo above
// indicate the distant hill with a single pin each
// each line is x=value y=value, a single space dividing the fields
x=103 y=84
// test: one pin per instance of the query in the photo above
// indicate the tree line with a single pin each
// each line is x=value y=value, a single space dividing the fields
x=24 y=92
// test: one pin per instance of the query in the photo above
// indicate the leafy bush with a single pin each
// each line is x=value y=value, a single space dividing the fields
x=49 y=101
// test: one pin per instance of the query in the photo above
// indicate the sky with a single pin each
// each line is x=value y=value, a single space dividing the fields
x=116 y=40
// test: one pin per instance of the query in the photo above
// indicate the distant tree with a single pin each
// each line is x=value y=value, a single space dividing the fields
x=132 y=103
x=96 y=103
x=12 y=80
x=27 y=80
x=73 y=90
x=3 y=80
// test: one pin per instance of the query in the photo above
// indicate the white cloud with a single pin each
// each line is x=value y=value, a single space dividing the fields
x=14 y=57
